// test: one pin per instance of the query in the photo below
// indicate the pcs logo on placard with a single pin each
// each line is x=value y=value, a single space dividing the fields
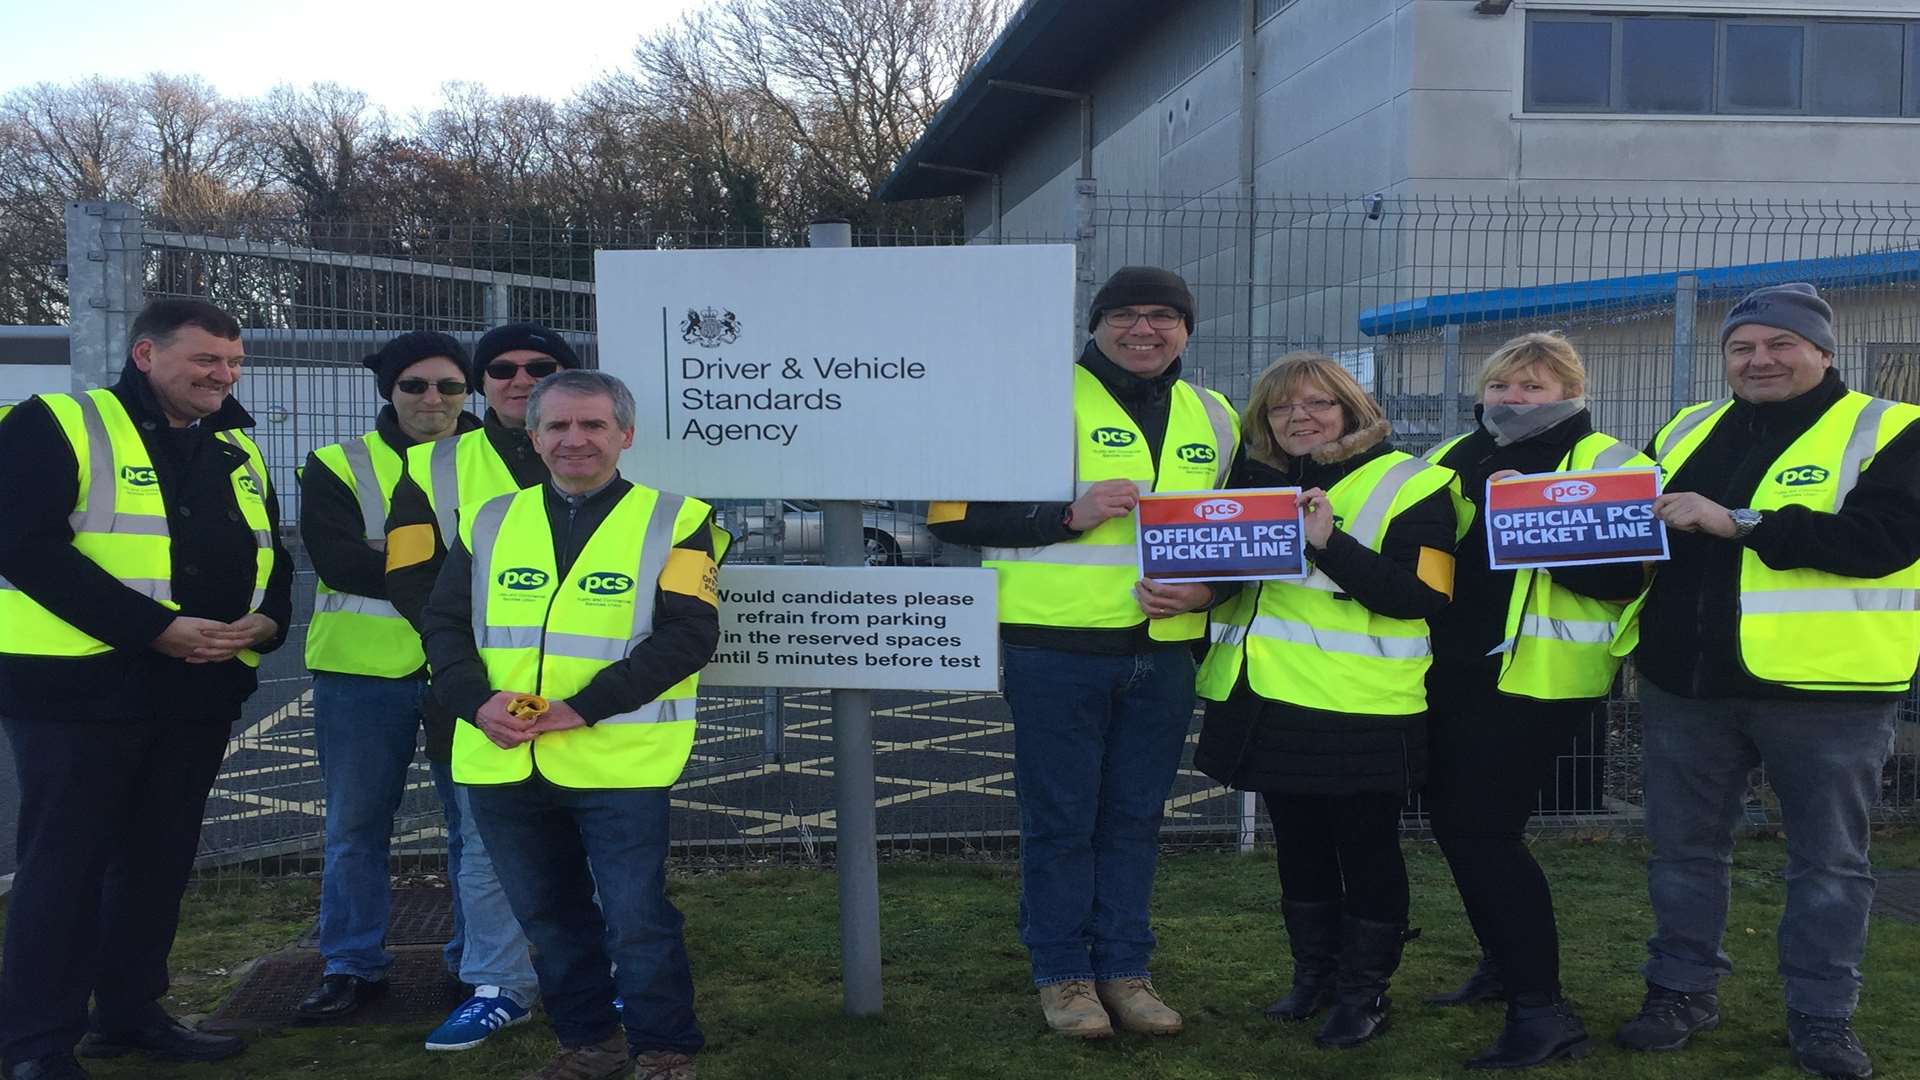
x=1568 y=491
x=1218 y=510
x=708 y=327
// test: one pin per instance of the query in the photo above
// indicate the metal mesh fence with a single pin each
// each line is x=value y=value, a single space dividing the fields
x=1409 y=293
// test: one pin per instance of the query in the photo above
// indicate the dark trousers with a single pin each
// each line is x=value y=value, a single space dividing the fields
x=552 y=846
x=109 y=825
x=1488 y=757
x=1342 y=848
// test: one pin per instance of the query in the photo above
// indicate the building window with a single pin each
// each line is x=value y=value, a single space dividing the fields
x=1722 y=64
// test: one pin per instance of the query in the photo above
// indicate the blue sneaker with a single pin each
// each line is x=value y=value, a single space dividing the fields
x=486 y=1012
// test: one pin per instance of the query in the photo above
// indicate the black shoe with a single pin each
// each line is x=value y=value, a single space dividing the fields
x=1827 y=1046
x=1369 y=955
x=168 y=1040
x=1535 y=1034
x=339 y=995
x=1481 y=986
x=1668 y=1018
x=1313 y=936
x=51 y=1067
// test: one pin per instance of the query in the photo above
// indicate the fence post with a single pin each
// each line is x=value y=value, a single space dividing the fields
x=104 y=286
x=1085 y=193
x=1449 y=379
x=1249 y=823
x=1686 y=294
x=499 y=303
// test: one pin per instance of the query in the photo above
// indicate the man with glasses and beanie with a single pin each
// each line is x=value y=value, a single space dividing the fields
x=141 y=577
x=1784 y=633
x=442 y=479
x=1099 y=668
x=369 y=674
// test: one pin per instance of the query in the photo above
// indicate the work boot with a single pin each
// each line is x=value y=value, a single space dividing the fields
x=1369 y=955
x=1483 y=985
x=1136 y=1006
x=1072 y=1009
x=51 y=1067
x=662 y=1065
x=1827 y=1046
x=603 y=1060
x=164 y=1039
x=1313 y=936
x=1668 y=1018
x=1537 y=1031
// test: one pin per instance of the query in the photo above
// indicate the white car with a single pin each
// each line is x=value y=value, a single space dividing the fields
x=893 y=537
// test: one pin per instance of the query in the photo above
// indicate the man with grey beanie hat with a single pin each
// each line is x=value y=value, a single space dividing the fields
x=1783 y=632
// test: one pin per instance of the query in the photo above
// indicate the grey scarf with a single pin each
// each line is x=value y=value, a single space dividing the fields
x=1509 y=424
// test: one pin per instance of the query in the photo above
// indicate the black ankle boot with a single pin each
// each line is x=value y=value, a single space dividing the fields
x=1369 y=955
x=1483 y=985
x=1313 y=936
x=1537 y=1031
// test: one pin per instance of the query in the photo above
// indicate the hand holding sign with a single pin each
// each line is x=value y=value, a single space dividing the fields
x=1161 y=600
x=1101 y=502
x=1316 y=518
x=1574 y=519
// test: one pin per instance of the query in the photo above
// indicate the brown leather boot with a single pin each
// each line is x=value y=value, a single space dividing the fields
x=1136 y=1006
x=603 y=1060
x=1073 y=1010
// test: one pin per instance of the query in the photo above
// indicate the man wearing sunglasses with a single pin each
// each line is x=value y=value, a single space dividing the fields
x=369 y=674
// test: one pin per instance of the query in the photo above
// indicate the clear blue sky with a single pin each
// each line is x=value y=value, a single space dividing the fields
x=398 y=51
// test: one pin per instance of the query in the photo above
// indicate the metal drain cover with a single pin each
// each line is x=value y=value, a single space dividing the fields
x=420 y=915
x=418 y=991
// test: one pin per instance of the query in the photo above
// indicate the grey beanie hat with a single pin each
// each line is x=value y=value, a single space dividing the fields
x=1795 y=306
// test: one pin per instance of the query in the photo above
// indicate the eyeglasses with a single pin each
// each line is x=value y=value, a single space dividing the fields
x=1317 y=406
x=1122 y=319
x=505 y=370
x=447 y=387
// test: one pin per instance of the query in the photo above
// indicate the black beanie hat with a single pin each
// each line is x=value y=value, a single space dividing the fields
x=409 y=349
x=1795 y=306
x=520 y=335
x=1131 y=285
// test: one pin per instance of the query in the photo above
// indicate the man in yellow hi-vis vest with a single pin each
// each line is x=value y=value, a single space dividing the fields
x=1098 y=664
x=1783 y=633
x=140 y=580
x=569 y=626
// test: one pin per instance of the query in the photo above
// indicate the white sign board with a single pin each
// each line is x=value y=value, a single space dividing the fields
x=857 y=628
x=846 y=373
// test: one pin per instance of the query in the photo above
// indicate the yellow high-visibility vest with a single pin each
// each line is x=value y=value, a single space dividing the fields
x=1808 y=629
x=1557 y=645
x=540 y=633
x=1087 y=582
x=119 y=521
x=353 y=634
x=461 y=471
x=1305 y=642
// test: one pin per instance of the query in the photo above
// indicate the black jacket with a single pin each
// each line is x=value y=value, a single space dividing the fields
x=1148 y=402
x=213 y=570
x=1254 y=744
x=1689 y=628
x=1467 y=629
x=685 y=628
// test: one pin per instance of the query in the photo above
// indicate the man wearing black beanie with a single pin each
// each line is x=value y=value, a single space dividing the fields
x=1099 y=667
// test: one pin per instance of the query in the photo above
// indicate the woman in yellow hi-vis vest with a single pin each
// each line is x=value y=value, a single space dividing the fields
x=1521 y=663
x=1317 y=690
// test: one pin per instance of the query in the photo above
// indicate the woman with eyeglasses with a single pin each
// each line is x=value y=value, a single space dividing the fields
x=1316 y=687
x=1521 y=667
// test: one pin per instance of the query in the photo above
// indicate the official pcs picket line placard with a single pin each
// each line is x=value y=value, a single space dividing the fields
x=1244 y=535
x=1574 y=519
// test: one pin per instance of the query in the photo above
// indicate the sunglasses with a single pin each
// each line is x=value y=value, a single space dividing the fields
x=505 y=370
x=447 y=387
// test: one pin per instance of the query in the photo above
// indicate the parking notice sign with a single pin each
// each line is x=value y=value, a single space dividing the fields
x=1574 y=519
x=1248 y=534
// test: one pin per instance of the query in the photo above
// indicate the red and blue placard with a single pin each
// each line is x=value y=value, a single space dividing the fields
x=1574 y=519
x=1244 y=535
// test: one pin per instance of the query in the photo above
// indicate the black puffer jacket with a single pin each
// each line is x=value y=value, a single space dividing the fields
x=1254 y=744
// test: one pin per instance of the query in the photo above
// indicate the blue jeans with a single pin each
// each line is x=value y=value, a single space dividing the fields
x=1096 y=745
x=552 y=846
x=1823 y=759
x=496 y=951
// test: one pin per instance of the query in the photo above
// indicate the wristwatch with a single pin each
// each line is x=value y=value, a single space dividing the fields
x=1744 y=522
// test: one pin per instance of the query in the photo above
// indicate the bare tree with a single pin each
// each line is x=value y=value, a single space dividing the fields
x=316 y=140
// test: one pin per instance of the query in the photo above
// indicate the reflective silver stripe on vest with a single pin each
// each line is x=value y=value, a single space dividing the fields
x=1226 y=633
x=584 y=646
x=1577 y=631
x=5 y=584
x=366 y=489
x=151 y=588
x=443 y=471
x=1373 y=513
x=338 y=602
x=653 y=561
x=102 y=514
x=1341 y=641
x=1222 y=422
x=1613 y=457
x=486 y=530
x=1816 y=601
x=1686 y=424
x=658 y=712
x=1068 y=554
x=1860 y=446
x=507 y=637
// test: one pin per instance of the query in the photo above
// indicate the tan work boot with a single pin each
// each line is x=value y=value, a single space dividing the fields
x=604 y=1060
x=1072 y=1010
x=1136 y=1006
x=662 y=1065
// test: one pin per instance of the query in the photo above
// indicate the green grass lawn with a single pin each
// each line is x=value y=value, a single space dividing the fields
x=959 y=1005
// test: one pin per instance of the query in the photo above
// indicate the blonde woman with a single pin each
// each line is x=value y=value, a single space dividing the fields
x=1316 y=688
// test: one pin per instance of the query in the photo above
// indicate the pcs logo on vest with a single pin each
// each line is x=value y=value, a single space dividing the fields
x=523 y=578
x=247 y=485
x=1197 y=453
x=1112 y=437
x=140 y=476
x=604 y=584
x=1801 y=476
